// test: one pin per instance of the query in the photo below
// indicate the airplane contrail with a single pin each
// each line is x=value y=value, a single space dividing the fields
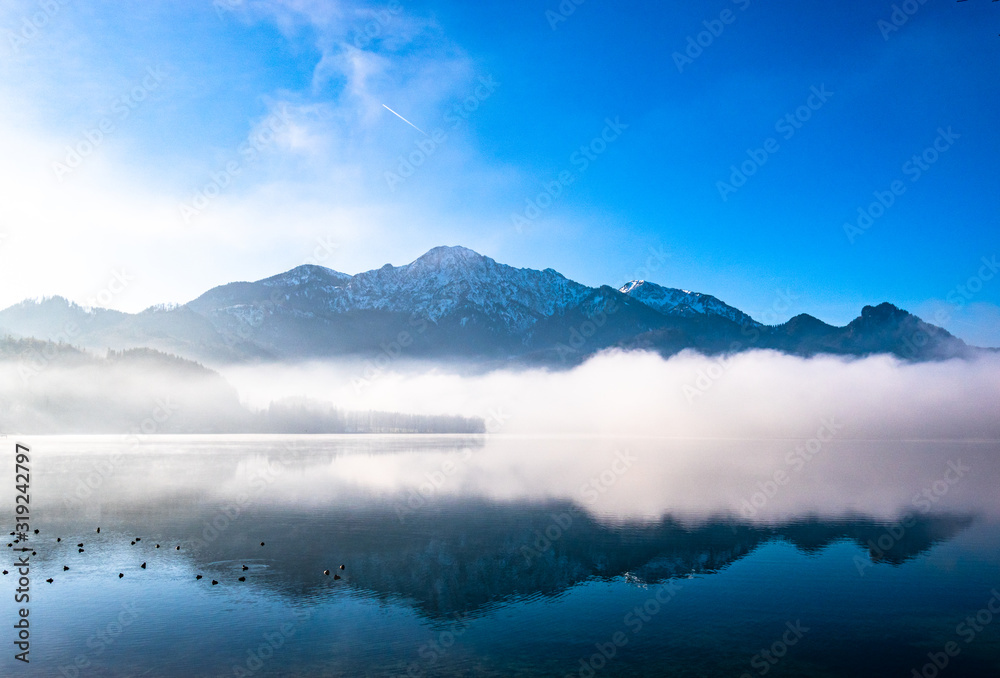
x=405 y=120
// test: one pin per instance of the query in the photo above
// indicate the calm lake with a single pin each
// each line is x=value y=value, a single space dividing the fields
x=497 y=555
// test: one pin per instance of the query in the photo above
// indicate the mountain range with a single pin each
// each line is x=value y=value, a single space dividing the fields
x=453 y=303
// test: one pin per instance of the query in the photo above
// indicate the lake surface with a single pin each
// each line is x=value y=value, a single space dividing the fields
x=504 y=556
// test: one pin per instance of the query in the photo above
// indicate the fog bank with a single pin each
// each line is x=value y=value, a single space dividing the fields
x=758 y=394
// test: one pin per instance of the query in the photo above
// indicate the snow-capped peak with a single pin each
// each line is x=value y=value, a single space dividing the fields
x=683 y=303
x=307 y=273
x=629 y=286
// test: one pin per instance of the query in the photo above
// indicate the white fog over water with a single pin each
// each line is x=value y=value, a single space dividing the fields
x=756 y=394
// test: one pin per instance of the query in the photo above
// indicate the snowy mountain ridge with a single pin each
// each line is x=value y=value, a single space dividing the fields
x=449 y=280
x=683 y=303
x=455 y=304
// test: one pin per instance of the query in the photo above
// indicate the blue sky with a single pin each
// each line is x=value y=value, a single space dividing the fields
x=243 y=138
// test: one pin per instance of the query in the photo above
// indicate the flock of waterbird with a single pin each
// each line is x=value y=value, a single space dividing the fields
x=121 y=575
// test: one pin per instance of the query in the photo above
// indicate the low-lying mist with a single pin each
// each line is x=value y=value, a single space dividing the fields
x=758 y=394
x=48 y=388
x=594 y=414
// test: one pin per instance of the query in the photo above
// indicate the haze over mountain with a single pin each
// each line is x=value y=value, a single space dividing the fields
x=453 y=303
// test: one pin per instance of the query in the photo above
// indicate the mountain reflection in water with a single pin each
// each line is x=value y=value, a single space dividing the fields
x=538 y=546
